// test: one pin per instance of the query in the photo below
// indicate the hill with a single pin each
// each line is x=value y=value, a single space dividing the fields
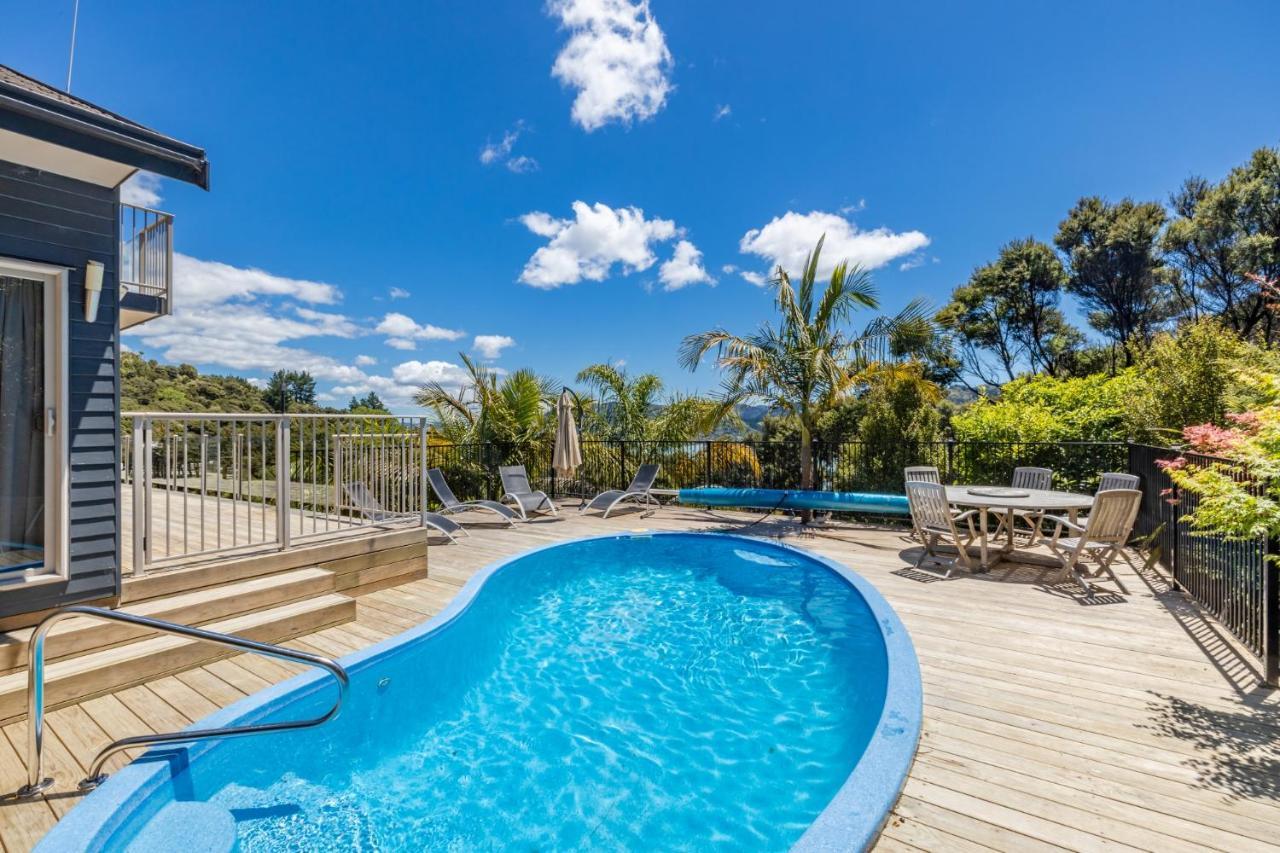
x=147 y=385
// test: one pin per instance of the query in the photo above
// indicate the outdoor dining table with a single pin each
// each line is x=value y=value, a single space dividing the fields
x=1003 y=501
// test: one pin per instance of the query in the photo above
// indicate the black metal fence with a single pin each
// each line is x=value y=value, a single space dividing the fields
x=846 y=466
x=1234 y=580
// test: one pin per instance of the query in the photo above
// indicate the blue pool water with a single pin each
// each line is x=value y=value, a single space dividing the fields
x=688 y=692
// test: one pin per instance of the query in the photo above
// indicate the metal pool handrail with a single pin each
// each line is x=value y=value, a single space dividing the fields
x=35 y=693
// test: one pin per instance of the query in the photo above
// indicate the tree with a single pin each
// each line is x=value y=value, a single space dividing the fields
x=147 y=385
x=289 y=387
x=1116 y=268
x=513 y=408
x=1223 y=236
x=1009 y=309
x=808 y=362
x=1190 y=377
x=629 y=407
x=369 y=404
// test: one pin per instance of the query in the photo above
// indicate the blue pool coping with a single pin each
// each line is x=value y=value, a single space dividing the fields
x=851 y=821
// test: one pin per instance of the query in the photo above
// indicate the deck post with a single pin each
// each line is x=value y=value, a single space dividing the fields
x=1271 y=613
x=422 y=471
x=282 y=482
x=141 y=505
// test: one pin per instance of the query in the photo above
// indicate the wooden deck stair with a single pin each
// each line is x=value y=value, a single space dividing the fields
x=270 y=598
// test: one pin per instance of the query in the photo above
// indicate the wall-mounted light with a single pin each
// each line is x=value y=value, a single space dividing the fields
x=92 y=290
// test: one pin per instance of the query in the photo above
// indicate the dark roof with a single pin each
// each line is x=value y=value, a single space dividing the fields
x=38 y=110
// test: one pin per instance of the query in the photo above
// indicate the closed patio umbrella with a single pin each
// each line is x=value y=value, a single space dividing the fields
x=568 y=455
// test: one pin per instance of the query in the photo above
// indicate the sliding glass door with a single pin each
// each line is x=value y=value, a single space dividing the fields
x=31 y=463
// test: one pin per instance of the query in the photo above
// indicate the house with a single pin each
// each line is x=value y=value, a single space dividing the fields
x=76 y=266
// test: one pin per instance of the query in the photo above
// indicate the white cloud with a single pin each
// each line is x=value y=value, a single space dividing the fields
x=787 y=240
x=496 y=152
x=398 y=293
x=491 y=346
x=500 y=152
x=337 y=325
x=142 y=189
x=684 y=268
x=247 y=319
x=522 y=164
x=242 y=337
x=722 y=111
x=750 y=277
x=365 y=360
x=398 y=389
x=588 y=245
x=616 y=58
x=402 y=331
x=197 y=282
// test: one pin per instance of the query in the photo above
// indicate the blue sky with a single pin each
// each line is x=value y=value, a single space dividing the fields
x=368 y=219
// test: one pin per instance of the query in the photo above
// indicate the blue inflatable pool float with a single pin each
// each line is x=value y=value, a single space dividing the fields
x=797 y=499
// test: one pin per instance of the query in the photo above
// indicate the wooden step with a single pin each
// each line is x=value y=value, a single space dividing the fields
x=227 y=569
x=77 y=678
x=364 y=573
x=82 y=634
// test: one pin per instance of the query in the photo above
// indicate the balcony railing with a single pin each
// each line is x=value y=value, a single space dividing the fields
x=146 y=263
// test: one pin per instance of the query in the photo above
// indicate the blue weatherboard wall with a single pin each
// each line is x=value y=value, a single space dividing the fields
x=52 y=219
x=797 y=499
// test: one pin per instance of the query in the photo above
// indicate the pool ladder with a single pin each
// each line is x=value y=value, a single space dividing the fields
x=36 y=783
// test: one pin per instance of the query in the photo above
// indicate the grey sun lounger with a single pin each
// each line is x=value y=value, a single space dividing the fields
x=638 y=490
x=515 y=485
x=371 y=509
x=451 y=504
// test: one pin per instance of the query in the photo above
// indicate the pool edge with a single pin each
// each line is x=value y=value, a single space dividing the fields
x=852 y=820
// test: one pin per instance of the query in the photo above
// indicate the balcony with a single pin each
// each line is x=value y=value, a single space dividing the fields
x=146 y=264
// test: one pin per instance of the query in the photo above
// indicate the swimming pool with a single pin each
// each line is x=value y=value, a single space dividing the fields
x=699 y=691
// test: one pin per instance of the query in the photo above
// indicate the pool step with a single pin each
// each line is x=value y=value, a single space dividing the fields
x=85 y=676
x=81 y=635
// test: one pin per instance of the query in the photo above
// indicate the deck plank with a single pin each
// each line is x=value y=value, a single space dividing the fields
x=1050 y=722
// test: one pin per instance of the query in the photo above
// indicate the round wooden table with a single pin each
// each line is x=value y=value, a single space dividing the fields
x=1035 y=500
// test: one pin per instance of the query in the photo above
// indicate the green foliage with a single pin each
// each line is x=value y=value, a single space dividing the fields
x=633 y=407
x=513 y=409
x=1223 y=233
x=1186 y=377
x=1008 y=310
x=1042 y=408
x=1236 y=506
x=151 y=386
x=1189 y=377
x=369 y=404
x=809 y=361
x=1116 y=267
x=289 y=389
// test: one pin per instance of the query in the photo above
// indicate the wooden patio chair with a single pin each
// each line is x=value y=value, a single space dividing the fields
x=1101 y=536
x=920 y=474
x=934 y=520
x=1034 y=479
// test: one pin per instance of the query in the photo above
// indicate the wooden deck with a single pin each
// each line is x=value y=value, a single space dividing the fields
x=1051 y=721
x=188 y=526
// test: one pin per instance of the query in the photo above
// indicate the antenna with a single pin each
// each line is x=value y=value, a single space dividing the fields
x=71 y=59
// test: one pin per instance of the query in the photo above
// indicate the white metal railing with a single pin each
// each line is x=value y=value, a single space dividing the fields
x=204 y=484
x=146 y=252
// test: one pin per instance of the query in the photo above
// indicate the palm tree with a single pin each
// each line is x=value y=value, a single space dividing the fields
x=809 y=361
x=627 y=407
x=514 y=408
